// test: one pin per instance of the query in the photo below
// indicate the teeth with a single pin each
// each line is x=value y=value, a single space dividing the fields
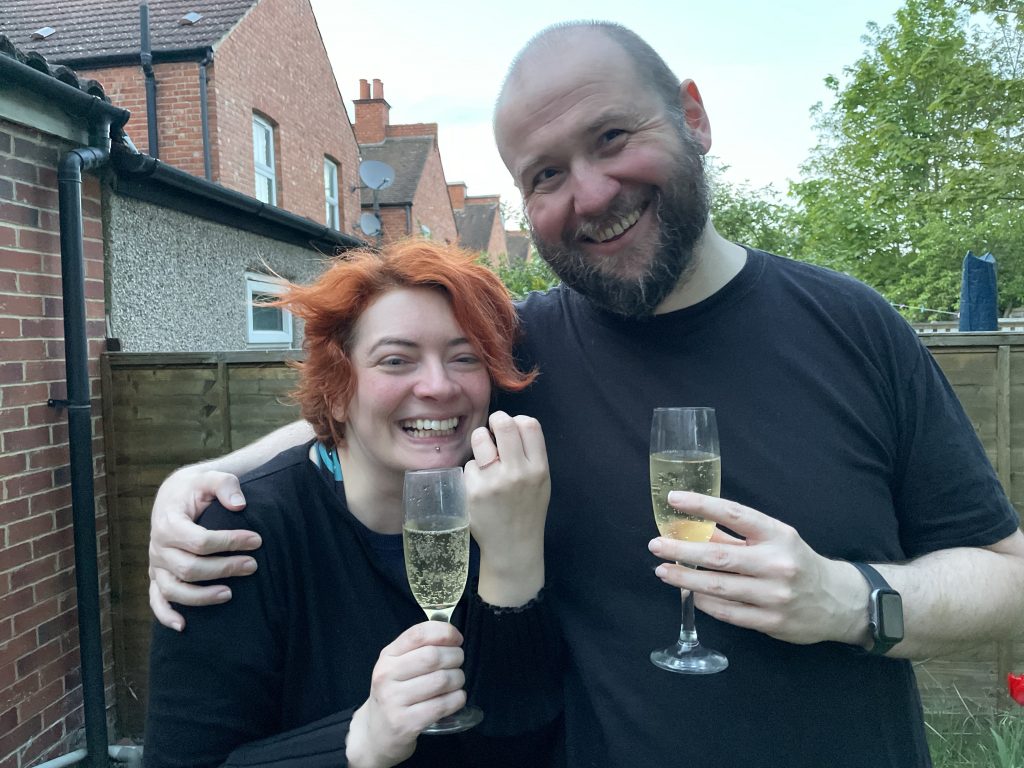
x=430 y=427
x=617 y=228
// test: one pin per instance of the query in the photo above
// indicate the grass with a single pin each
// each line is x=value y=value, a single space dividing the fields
x=976 y=742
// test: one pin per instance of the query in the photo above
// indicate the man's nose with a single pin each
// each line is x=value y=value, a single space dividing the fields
x=593 y=190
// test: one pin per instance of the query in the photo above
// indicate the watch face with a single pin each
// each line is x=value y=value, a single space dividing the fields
x=890 y=614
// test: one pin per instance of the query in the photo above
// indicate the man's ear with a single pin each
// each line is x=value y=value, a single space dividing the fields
x=694 y=113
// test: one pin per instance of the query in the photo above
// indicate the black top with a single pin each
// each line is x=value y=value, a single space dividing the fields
x=272 y=677
x=833 y=418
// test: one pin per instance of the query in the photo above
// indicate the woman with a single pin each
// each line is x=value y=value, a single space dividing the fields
x=323 y=656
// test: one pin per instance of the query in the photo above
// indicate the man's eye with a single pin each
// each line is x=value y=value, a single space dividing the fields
x=611 y=135
x=545 y=175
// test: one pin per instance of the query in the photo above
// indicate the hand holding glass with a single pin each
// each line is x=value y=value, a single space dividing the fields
x=435 y=537
x=685 y=457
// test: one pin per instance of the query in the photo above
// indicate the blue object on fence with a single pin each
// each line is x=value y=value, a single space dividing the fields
x=978 y=295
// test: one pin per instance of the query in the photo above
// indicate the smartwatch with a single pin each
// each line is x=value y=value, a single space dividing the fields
x=885 y=611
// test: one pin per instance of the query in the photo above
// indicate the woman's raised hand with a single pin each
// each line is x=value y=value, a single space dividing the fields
x=507 y=491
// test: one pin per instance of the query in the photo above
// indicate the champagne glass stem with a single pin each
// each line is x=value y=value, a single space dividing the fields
x=688 y=629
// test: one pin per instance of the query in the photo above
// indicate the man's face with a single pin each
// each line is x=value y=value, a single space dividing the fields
x=612 y=182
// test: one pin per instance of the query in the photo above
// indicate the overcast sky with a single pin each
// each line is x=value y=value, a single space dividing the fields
x=759 y=66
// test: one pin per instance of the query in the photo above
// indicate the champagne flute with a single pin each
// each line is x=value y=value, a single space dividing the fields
x=685 y=457
x=435 y=537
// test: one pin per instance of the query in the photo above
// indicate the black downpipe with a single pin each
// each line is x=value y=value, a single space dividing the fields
x=204 y=115
x=146 y=56
x=83 y=508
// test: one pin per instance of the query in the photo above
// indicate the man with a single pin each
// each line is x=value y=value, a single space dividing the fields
x=841 y=443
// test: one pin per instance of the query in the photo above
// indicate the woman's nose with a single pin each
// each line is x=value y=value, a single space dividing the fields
x=435 y=382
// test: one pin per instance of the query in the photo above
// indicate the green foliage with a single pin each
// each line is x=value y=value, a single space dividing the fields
x=921 y=157
x=977 y=742
x=524 y=276
x=754 y=217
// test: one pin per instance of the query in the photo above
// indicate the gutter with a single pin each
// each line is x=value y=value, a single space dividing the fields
x=146 y=59
x=147 y=178
x=204 y=115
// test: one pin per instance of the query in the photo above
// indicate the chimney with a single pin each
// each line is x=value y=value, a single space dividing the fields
x=372 y=113
x=457 y=195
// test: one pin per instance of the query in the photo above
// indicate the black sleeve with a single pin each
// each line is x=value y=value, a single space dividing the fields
x=514 y=665
x=214 y=689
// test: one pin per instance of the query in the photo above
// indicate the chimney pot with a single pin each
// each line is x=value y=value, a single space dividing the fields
x=378 y=89
x=364 y=89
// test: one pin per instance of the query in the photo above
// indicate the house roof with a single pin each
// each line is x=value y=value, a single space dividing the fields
x=474 y=223
x=81 y=98
x=96 y=29
x=407 y=155
x=518 y=246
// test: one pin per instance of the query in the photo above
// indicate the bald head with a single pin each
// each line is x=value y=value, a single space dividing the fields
x=554 y=41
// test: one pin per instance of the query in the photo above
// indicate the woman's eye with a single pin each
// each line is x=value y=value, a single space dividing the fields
x=392 y=362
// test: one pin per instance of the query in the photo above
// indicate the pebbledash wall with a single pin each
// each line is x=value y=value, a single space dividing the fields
x=40 y=686
x=176 y=283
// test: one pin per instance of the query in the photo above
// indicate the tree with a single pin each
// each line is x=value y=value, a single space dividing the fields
x=524 y=276
x=755 y=217
x=921 y=157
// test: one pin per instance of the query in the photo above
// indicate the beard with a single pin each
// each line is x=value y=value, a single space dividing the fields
x=681 y=211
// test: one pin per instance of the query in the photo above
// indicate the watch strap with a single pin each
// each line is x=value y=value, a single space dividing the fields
x=876 y=582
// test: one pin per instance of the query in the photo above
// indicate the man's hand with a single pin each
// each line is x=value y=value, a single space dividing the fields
x=770 y=580
x=417 y=679
x=179 y=549
x=507 y=489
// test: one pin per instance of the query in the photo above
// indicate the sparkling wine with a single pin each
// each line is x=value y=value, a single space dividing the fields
x=683 y=471
x=437 y=564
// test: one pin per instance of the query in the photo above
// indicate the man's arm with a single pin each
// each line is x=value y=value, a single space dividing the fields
x=773 y=582
x=179 y=549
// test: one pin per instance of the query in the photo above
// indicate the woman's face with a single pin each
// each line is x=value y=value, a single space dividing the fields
x=421 y=388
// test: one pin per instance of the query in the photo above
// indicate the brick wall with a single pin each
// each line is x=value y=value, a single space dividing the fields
x=431 y=204
x=40 y=685
x=274 y=62
x=178 y=110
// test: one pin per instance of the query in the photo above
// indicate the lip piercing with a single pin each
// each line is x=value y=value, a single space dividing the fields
x=437 y=448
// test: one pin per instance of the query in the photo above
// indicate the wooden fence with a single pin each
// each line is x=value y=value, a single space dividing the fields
x=165 y=410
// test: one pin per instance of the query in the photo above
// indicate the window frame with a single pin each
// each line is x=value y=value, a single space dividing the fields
x=257 y=283
x=260 y=168
x=332 y=205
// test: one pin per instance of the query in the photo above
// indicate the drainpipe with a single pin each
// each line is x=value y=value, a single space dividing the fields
x=204 y=113
x=83 y=509
x=146 y=57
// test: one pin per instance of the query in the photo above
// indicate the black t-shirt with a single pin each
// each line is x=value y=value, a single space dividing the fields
x=833 y=418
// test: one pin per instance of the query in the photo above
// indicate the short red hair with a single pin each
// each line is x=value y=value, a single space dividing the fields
x=333 y=304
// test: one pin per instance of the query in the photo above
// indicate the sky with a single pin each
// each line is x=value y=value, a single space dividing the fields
x=760 y=68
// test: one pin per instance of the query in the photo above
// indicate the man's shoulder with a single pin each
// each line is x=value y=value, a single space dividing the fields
x=539 y=303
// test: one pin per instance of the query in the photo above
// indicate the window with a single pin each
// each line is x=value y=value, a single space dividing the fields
x=331 y=193
x=263 y=160
x=267 y=325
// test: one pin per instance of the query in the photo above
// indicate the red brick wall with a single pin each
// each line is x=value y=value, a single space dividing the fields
x=40 y=685
x=178 y=110
x=274 y=62
x=431 y=204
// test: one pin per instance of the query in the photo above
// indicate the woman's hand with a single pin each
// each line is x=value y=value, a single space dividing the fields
x=417 y=679
x=507 y=490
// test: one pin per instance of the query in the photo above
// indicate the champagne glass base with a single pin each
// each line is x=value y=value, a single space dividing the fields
x=457 y=722
x=689 y=659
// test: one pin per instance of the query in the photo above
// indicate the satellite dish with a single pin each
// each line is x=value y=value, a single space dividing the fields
x=375 y=174
x=370 y=224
